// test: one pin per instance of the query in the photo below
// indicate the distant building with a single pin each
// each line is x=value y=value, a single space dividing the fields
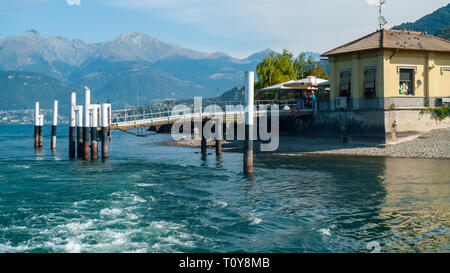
x=384 y=79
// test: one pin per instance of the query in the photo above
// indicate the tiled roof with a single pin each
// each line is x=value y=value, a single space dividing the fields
x=394 y=39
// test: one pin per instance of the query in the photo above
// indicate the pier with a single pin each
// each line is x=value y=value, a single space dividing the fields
x=90 y=123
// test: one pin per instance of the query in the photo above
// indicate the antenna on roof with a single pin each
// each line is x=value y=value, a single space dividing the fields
x=381 y=20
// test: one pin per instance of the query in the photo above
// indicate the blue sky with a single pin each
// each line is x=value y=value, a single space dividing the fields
x=236 y=27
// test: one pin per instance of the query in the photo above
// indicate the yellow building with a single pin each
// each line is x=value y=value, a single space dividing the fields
x=394 y=72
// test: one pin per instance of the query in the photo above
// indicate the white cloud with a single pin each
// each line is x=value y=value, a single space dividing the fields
x=295 y=24
x=73 y=2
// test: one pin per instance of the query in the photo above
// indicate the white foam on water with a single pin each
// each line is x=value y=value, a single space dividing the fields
x=256 y=221
x=73 y=246
x=145 y=185
x=220 y=204
x=21 y=166
x=138 y=199
x=110 y=212
x=77 y=226
x=325 y=231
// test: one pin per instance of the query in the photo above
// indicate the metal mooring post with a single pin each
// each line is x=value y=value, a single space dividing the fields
x=54 y=125
x=248 y=142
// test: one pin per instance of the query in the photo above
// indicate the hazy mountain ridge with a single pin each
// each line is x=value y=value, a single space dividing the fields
x=134 y=65
x=20 y=90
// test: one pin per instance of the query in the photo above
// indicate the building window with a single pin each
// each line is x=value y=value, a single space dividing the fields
x=345 y=86
x=406 y=82
x=369 y=84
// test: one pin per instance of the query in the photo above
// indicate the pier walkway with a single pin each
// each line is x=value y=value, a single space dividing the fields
x=164 y=114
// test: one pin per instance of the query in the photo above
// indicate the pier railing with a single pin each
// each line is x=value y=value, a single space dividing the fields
x=159 y=114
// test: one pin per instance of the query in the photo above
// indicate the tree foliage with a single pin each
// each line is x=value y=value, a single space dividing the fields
x=274 y=69
x=301 y=73
x=278 y=68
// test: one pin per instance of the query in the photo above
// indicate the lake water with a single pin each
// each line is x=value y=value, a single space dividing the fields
x=153 y=198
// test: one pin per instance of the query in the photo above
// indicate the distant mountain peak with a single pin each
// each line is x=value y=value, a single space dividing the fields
x=33 y=31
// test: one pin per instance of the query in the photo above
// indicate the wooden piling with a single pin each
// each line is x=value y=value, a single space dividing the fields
x=72 y=127
x=54 y=124
x=41 y=131
x=87 y=102
x=218 y=147
x=248 y=142
x=204 y=140
x=36 y=126
x=94 y=132
x=80 y=146
x=104 y=132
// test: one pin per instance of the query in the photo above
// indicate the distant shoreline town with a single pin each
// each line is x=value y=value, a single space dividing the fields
x=26 y=116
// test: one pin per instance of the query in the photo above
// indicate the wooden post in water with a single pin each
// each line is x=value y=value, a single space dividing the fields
x=248 y=142
x=105 y=125
x=54 y=124
x=219 y=136
x=87 y=124
x=72 y=128
x=204 y=140
x=80 y=147
x=41 y=131
x=36 y=125
x=94 y=131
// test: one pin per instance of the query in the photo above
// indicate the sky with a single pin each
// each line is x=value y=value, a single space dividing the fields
x=236 y=27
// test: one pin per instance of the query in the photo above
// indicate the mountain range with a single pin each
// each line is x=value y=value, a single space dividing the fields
x=436 y=23
x=132 y=69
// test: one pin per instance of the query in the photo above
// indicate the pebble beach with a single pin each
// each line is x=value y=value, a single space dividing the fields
x=434 y=144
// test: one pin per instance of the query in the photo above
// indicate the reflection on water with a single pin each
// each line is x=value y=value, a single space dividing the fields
x=152 y=198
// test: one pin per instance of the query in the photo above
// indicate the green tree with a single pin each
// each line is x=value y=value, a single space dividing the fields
x=275 y=69
x=301 y=61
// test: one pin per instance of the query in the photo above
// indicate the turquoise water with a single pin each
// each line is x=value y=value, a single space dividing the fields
x=154 y=198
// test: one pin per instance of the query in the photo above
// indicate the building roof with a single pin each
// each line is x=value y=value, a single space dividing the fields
x=310 y=80
x=298 y=84
x=394 y=39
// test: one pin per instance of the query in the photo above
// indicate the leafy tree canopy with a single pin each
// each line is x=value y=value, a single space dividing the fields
x=283 y=67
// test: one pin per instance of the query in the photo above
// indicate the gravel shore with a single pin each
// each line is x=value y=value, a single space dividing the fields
x=435 y=144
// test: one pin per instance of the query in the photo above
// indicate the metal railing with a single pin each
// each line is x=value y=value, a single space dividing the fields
x=164 y=113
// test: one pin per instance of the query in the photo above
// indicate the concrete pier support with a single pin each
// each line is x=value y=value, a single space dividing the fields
x=36 y=126
x=72 y=127
x=54 y=125
x=87 y=124
x=248 y=142
x=104 y=132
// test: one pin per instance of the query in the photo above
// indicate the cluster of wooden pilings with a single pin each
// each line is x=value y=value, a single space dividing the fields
x=86 y=121
x=249 y=123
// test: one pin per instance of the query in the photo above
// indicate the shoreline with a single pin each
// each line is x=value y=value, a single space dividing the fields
x=432 y=145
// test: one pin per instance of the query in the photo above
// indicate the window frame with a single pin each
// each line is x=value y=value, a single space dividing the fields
x=348 y=84
x=370 y=92
x=412 y=88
